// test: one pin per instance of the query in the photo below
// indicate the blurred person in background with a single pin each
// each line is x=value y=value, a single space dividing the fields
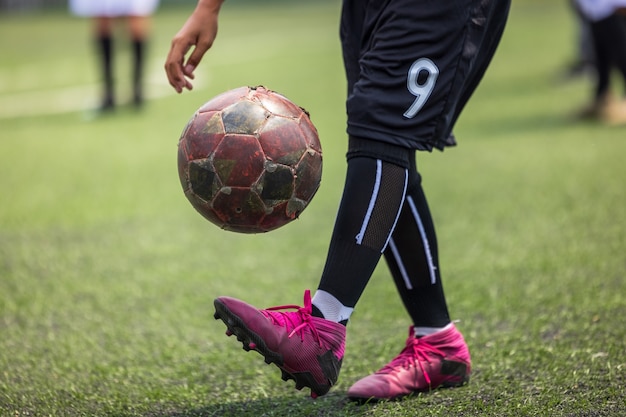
x=607 y=23
x=105 y=13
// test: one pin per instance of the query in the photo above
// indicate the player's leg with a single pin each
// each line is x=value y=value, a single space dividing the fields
x=609 y=36
x=372 y=198
x=602 y=65
x=435 y=354
x=413 y=259
x=620 y=45
x=104 y=47
x=139 y=27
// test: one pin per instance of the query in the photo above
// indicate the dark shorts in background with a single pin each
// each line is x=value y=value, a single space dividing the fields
x=412 y=65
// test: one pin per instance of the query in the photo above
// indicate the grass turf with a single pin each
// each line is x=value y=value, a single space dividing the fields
x=107 y=275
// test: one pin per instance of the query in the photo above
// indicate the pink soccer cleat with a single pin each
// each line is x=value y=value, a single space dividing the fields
x=426 y=363
x=307 y=349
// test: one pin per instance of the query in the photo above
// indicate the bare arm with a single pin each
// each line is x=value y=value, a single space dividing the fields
x=199 y=32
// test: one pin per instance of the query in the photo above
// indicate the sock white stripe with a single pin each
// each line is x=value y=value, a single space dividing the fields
x=406 y=184
x=396 y=255
x=370 y=208
x=429 y=257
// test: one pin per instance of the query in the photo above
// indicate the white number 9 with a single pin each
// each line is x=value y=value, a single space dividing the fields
x=420 y=91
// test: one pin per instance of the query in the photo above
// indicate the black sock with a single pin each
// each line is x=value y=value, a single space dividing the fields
x=139 y=47
x=369 y=207
x=413 y=260
x=105 y=49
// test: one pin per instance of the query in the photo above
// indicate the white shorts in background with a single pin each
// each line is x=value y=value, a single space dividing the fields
x=112 y=8
x=595 y=10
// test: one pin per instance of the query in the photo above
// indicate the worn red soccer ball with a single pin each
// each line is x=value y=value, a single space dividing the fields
x=250 y=160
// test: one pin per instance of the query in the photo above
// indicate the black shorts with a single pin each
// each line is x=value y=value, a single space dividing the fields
x=412 y=65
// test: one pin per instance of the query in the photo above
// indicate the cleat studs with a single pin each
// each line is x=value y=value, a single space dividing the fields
x=286 y=376
x=252 y=345
x=229 y=332
x=313 y=395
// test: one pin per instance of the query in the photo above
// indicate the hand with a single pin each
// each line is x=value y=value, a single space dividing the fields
x=199 y=32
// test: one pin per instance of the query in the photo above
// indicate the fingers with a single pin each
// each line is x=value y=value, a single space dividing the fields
x=174 y=67
x=188 y=70
x=195 y=57
x=179 y=73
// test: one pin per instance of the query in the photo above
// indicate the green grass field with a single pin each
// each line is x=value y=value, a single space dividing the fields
x=107 y=274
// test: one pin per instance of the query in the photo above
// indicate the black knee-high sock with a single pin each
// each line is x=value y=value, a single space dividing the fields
x=105 y=49
x=413 y=259
x=609 y=37
x=372 y=197
x=139 y=47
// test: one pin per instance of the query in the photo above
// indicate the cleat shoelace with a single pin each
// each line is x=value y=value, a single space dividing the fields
x=415 y=352
x=295 y=322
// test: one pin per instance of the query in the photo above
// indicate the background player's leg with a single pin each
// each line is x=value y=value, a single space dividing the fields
x=603 y=60
x=104 y=41
x=139 y=30
x=609 y=36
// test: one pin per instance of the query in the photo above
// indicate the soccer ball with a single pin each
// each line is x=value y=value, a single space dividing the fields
x=250 y=160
